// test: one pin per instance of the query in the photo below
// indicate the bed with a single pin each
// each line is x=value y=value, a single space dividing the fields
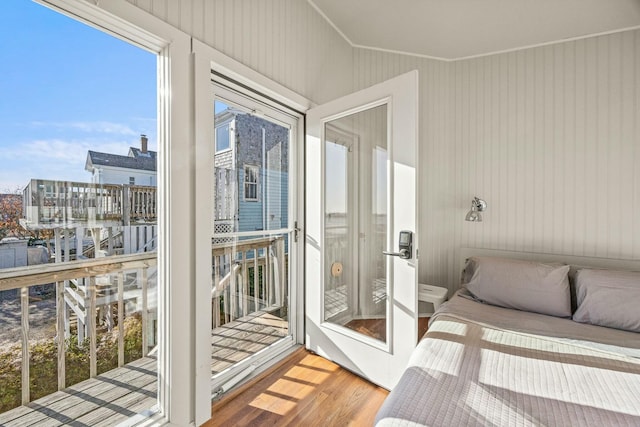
x=506 y=350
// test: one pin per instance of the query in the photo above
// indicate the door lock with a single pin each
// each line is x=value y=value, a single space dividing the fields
x=404 y=245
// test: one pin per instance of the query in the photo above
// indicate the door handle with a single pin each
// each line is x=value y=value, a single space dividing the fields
x=404 y=253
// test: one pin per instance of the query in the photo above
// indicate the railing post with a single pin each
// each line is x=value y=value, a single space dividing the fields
x=216 y=299
x=142 y=273
x=266 y=280
x=225 y=292
x=256 y=281
x=245 y=283
x=281 y=269
x=91 y=319
x=24 y=308
x=233 y=311
x=61 y=326
x=120 y=318
x=126 y=205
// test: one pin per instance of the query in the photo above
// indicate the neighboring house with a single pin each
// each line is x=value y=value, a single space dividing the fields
x=136 y=168
x=251 y=163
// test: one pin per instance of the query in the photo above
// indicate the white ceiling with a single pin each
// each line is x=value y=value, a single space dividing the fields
x=451 y=29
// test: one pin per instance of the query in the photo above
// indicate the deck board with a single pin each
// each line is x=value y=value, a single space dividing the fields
x=237 y=340
x=121 y=393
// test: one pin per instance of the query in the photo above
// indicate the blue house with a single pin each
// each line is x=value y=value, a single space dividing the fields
x=251 y=169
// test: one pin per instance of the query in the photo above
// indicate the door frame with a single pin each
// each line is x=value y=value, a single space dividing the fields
x=209 y=64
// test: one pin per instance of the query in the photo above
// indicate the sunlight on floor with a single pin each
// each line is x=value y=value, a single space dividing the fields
x=296 y=384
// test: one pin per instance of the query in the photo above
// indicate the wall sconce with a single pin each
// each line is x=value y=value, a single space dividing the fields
x=477 y=206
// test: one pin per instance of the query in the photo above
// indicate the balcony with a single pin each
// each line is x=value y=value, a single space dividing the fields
x=113 y=300
x=61 y=204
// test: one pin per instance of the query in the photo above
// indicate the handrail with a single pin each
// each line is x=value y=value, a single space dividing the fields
x=24 y=277
x=18 y=277
x=50 y=203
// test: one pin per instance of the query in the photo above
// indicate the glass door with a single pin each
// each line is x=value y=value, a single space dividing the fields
x=254 y=237
x=360 y=251
x=355 y=221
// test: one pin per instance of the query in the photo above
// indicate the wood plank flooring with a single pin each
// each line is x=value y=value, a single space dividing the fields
x=304 y=389
x=376 y=328
x=241 y=338
x=106 y=400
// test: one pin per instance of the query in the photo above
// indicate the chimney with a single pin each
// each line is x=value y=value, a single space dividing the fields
x=143 y=143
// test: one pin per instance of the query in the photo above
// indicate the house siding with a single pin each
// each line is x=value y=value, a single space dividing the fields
x=273 y=182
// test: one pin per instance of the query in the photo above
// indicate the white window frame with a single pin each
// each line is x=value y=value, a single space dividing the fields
x=229 y=137
x=256 y=183
x=184 y=152
x=178 y=402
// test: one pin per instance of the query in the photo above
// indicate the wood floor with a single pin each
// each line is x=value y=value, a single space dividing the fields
x=304 y=389
x=376 y=328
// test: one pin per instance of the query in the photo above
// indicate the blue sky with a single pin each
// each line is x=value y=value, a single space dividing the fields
x=66 y=88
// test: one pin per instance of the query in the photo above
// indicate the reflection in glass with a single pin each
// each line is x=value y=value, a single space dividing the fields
x=250 y=268
x=355 y=218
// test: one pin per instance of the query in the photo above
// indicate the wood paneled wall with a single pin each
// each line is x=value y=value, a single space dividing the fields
x=436 y=175
x=285 y=40
x=548 y=136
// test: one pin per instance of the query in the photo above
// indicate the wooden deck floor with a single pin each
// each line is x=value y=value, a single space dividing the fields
x=106 y=400
x=237 y=340
x=124 y=392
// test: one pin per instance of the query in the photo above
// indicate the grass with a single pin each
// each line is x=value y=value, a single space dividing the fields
x=43 y=363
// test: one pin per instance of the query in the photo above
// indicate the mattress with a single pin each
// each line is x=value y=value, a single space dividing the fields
x=482 y=365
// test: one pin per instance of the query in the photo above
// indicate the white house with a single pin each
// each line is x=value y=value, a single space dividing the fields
x=138 y=167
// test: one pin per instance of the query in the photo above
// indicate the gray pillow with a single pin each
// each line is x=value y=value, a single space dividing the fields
x=523 y=285
x=608 y=298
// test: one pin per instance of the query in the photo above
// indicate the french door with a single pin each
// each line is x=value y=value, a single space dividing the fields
x=254 y=240
x=361 y=231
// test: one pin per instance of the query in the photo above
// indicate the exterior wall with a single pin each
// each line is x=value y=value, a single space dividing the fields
x=260 y=214
x=285 y=40
x=108 y=175
x=13 y=253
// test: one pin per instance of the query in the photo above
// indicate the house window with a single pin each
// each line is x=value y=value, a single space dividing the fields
x=223 y=141
x=132 y=180
x=250 y=183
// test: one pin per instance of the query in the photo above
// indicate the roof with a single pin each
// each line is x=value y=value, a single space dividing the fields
x=136 y=152
x=95 y=158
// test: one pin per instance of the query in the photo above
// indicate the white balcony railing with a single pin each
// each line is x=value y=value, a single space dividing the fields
x=97 y=291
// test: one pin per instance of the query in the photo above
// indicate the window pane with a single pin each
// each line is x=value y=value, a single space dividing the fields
x=222 y=137
x=71 y=163
x=355 y=215
x=250 y=306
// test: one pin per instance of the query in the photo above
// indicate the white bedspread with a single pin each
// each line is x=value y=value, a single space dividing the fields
x=481 y=365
